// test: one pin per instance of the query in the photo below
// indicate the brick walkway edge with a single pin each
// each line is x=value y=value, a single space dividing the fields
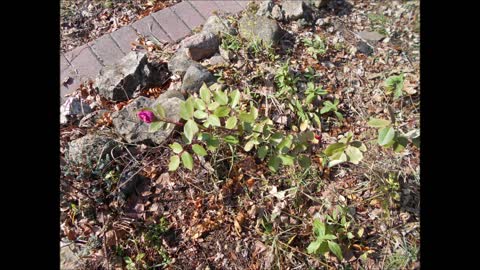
x=170 y=25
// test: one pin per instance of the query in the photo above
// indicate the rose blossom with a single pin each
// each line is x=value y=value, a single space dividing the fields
x=146 y=116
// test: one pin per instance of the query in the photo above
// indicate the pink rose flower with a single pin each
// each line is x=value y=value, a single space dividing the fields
x=146 y=116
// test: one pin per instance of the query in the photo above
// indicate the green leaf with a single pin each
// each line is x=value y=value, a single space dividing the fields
x=160 y=111
x=220 y=97
x=186 y=109
x=176 y=147
x=286 y=160
x=249 y=145
x=262 y=151
x=327 y=106
x=354 y=154
x=329 y=237
x=234 y=98
x=213 y=120
x=378 y=123
x=155 y=126
x=222 y=111
x=335 y=249
x=199 y=150
x=400 y=144
x=231 y=139
x=231 y=122
x=212 y=106
x=285 y=144
x=334 y=148
x=174 y=162
x=337 y=158
x=318 y=228
x=358 y=144
x=339 y=116
x=190 y=129
x=205 y=93
x=274 y=163
x=246 y=117
x=200 y=114
x=187 y=160
x=200 y=104
x=313 y=247
x=385 y=135
x=304 y=161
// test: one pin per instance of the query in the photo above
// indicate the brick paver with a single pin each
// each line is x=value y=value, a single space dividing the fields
x=188 y=15
x=229 y=6
x=206 y=8
x=106 y=50
x=168 y=25
x=148 y=27
x=170 y=22
x=124 y=38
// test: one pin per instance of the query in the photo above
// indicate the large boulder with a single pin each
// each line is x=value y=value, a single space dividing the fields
x=133 y=130
x=293 y=10
x=90 y=148
x=201 y=45
x=195 y=76
x=117 y=82
x=179 y=62
x=253 y=27
x=217 y=25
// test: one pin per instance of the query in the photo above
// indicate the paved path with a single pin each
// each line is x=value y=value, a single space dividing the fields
x=170 y=24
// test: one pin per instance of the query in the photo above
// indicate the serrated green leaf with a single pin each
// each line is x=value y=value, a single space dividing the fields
x=354 y=154
x=205 y=93
x=246 y=117
x=155 y=126
x=231 y=122
x=200 y=104
x=335 y=249
x=378 y=123
x=385 y=135
x=262 y=151
x=335 y=148
x=174 y=162
x=313 y=247
x=234 y=98
x=222 y=111
x=231 y=139
x=212 y=106
x=186 y=109
x=199 y=150
x=187 y=160
x=220 y=97
x=213 y=120
x=176 y=147
x=190 y=129
x=200 y=114
x=274 y=163
x=304 y=161
x=318 y=228
x=286 y=160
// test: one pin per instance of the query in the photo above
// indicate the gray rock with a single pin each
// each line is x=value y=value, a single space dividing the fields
x=265 y=8
x=68 y=258
x=277 y=13
x=226 y=54
x=217 y=25
x=370 y=36
x=128 y=125
x=364 y=48
x=91 y=119
x=179 y=62
x=89 y=148
x=201 y=45
x=217 y=60
x=73 y=106
x=117 y=82
x=252 y=27
x=195 y=76
x=293 y=10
